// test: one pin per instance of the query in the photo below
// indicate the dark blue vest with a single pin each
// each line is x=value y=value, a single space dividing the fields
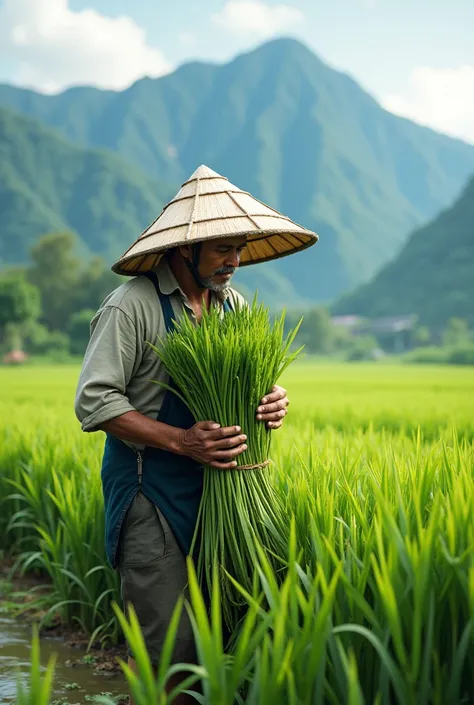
x=172 y=482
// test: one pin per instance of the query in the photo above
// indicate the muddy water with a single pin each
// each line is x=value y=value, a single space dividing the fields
x=15 y=647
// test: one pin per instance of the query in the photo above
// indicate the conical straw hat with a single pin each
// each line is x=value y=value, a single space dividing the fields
x=209 y=207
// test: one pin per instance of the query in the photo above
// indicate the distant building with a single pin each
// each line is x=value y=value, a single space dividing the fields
x=347 y=321
x=391 y=324
x=393 y=333
x=15 y=357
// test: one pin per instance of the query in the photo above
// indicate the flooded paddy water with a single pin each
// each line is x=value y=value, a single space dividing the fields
x=76 y=683
x=79 y=675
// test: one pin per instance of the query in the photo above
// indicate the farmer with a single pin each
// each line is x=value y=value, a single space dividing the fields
x=154 y=451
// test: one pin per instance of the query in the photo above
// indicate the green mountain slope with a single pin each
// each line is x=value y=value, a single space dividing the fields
x=47 y=183
x=297 y=134
x=433 y=276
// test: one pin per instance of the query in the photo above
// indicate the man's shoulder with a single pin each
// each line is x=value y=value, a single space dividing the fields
x=134 y=300
x=135 y=291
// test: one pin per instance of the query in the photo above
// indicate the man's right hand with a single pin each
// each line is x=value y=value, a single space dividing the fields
x=211 y=444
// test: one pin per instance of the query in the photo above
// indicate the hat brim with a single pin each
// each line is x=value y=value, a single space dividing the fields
x=261 y=247
x=208 y=207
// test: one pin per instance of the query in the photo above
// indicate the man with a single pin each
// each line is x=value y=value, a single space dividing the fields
x=155 y=450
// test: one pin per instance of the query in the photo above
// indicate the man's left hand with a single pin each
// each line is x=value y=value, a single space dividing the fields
x=273 y=408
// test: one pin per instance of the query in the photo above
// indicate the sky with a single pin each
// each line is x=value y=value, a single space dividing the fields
x=416 y=57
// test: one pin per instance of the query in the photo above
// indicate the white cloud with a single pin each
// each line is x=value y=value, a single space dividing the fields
x=439 y=98
x=256 y=18
x=55 y=47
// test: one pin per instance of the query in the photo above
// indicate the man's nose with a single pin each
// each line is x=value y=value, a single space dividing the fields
x=233 y=259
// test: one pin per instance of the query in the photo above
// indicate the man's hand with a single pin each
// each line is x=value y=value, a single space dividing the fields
x=210 y=444
x=274 y=407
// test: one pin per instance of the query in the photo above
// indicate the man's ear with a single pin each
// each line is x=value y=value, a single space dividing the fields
x=185 y=251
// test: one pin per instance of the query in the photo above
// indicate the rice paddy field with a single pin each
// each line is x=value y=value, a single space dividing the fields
x=374 y=602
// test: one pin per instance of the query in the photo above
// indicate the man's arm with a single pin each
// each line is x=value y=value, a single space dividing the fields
x=141 y=430
x=112 y=354
x=101 y=402
x=206 y=441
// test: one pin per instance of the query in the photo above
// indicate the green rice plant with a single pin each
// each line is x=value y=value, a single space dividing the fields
x=279 y=655
x=223 y=368
x=146 y=686
x=28 y=453
x=58 y=520
x=388 y=520
x=376 y=605
x=376 y=466
x=223 y=675
x=38 y=691
x=292 y=664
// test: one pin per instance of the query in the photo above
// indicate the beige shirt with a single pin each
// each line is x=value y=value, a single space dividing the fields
x=118 y=364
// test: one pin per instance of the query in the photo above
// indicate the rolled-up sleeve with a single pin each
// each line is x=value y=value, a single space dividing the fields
x=107 y=369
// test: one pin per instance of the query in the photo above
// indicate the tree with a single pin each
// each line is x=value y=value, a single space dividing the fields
x=68 y=284
x=19 y=303
x=421 y=336
x=79 y=331
x=38 y=340
x=456 y=332
x=95 y=283
x=362 y=348
x=56 y=271
x=342 y=338
x=317 y=331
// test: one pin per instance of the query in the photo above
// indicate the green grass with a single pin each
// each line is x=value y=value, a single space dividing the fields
x=375 y=468
x=349 y=397
x=346 y=396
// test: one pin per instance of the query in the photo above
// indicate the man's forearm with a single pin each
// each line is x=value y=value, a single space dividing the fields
x=137 y=428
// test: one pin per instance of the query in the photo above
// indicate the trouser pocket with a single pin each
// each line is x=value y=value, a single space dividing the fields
x=143 y=537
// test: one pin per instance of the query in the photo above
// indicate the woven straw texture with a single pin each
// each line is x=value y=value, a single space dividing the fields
x=209 y=207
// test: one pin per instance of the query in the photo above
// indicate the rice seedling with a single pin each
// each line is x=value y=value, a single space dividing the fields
x=223 y=368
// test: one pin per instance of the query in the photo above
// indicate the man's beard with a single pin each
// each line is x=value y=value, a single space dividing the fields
x=209 y=283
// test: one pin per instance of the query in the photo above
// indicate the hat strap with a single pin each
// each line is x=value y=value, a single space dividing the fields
x=193 y=264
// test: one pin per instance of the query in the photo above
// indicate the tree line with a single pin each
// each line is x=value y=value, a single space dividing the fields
x=46 y=308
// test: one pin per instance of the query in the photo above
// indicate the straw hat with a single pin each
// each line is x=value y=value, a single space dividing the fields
x=209 y=207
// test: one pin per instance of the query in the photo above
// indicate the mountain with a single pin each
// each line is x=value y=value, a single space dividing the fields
x=300 y=136
x=433 y=276
x=48 y=184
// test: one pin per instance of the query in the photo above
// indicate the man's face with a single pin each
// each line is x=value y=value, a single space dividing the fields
x=218 y=261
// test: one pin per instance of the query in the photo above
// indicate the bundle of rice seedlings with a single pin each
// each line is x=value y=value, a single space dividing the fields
x=223 y=368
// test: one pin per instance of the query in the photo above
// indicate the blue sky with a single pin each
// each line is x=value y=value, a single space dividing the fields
x=415 y=56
